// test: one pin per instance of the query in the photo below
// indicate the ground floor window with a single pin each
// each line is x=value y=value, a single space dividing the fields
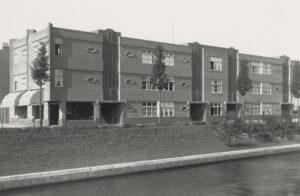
x=21 y=112
x=149 y=109
x=255 y=108
x=80 y=111
x=167 y=109
x=216 y=109
x=267 y=109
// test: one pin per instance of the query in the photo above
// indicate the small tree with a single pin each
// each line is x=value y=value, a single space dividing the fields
x=244 y=82
x=39 y=72
x=295 y=85
x=159 y=79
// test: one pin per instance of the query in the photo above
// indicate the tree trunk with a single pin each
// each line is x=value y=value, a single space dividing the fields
x=159 y=108
x=41 y=121
x=298 y=112
x=244 y=115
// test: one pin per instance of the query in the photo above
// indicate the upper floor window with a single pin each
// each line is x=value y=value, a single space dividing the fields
x=146 y=83
x=256 y=109
x=149 y=109
x=148 y=57
x=216 y=86
x=58 y=46
x=16 y=59
x=256 y=88
x=16 y=86
x=256 y=67
x=216 y=109
x=170 y=84
x=261 y=68
x=215 y=64
x=266 y=69
x=266 y=89
x=169 y=59
x=58 y=49
x=167 y=109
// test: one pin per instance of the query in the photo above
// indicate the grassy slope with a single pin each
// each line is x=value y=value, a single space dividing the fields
x=24 y=151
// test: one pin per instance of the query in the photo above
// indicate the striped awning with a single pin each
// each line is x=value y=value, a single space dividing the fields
x=11 y=99
x=30 y=98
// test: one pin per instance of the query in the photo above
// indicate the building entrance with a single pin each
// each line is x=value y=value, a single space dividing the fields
x=53 y=113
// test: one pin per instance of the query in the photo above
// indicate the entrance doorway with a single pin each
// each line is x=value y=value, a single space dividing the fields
x=111 y=112
x=198 y=111
x=53 y=113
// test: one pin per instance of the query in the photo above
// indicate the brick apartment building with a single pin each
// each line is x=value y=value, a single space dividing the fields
x=102 y=77
x=4 y=71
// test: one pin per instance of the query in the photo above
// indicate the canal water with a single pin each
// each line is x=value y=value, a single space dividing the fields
x=277 y=175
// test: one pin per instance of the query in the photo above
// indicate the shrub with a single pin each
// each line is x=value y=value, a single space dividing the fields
x=264 y=136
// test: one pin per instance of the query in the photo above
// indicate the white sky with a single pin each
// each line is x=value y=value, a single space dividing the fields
x=262 y=27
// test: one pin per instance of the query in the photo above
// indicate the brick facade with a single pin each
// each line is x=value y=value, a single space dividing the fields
x=106 y=76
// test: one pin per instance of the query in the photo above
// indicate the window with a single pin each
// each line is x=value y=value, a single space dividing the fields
x=58 y=49
x=256 y=67
x=215 y=109
x=266 y=69
x=215 y=64
x=59 y=78
x=216 y=87
x=146 y=83
x=170 y=84
x=267 y=109
x=256 y=88
x=255 y=108
x=167 y=109
x=266 y=89
x=16 y=59
x=148 y=57
x=261 y=68
x=169 y=59
x=149 y=109
x=16 y=85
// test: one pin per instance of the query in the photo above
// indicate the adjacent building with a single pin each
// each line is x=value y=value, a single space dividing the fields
x=101 y=77
x=4 y=71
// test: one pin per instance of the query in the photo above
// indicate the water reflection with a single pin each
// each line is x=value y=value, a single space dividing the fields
x=274 y=175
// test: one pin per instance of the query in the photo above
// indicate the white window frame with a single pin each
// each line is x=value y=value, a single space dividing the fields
x=216 y=86
x=267 y=109
x=266 y=88
x=148 y=57
x=167 y=109
x=256 y=90
x=146 y=83
x=16 y=59
x=266 y=68
x=149 y=109
x=216 y=109
x=256 y=109
x=169 y=59
x=256 y=67
x=216 y=64
x=170 y=84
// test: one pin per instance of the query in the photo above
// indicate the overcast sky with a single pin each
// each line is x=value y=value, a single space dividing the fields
x=261 y=27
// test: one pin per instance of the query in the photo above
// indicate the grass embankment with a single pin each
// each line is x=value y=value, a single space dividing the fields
x=28 y=150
